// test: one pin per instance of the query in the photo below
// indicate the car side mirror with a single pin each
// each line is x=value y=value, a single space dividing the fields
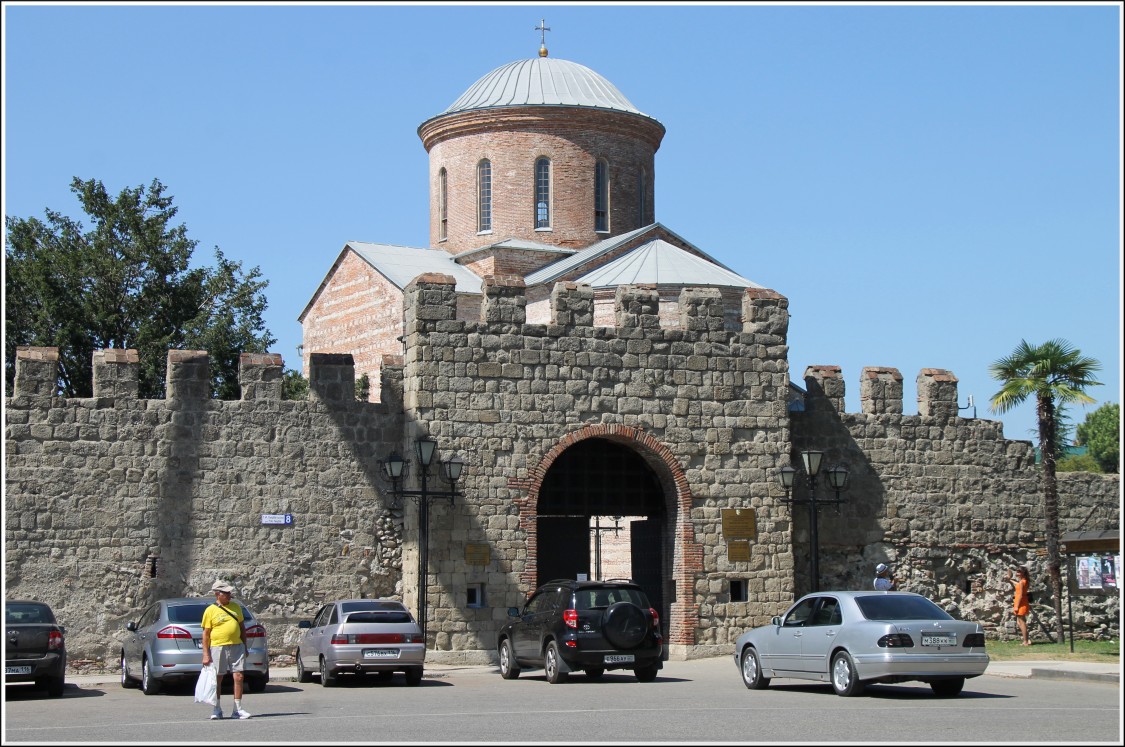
x=513 y=612
x=304 y=624
x=776 y=622
x=131 y=626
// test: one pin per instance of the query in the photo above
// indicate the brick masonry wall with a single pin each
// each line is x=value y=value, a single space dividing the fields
x=512 y=140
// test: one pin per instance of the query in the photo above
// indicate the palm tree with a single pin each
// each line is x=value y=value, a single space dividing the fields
x=1056 y=374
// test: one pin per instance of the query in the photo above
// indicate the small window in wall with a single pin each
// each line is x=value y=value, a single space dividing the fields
x=543 y=193
x=601 y=195
x=739 y=590
x=474 y=595
x=484 y=196
x=443 y=207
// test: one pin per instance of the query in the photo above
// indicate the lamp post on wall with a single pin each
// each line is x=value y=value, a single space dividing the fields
x=837 y=480
x=394 y=467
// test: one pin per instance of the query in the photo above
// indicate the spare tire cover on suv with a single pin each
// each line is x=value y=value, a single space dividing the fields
x=624 y=625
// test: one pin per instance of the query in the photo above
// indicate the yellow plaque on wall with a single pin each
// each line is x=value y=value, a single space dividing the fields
x=740 y=523
x=738 y=551
x=478 y=554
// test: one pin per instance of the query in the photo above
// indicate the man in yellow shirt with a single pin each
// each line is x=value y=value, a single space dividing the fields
x=224 y=642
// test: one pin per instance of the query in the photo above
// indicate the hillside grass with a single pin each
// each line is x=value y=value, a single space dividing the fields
x=1099 y=651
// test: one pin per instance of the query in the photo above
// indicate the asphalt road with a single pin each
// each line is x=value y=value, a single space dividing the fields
x=690 y=702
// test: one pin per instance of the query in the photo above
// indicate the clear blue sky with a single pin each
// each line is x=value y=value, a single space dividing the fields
x=928 y=185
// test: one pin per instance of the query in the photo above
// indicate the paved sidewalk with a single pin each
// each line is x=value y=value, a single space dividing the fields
x=1022 y=668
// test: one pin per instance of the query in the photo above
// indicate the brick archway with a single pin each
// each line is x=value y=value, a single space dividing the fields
x=687 y=555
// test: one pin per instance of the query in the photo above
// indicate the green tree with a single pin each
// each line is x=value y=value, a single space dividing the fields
x=126 y=283
x=1100 y=433
x=1078 y=463
x=294 y=385
x=1053 y=373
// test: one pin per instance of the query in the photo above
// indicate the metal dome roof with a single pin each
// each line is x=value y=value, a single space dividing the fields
x=542 y=81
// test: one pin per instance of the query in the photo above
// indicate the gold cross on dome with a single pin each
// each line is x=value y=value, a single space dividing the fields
x=542 y=28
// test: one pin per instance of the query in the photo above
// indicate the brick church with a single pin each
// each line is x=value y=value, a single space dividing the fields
x=589 y=367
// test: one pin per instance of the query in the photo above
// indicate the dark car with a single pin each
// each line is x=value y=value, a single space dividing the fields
x=587 y=626
x=166 y=646
x=35 y=649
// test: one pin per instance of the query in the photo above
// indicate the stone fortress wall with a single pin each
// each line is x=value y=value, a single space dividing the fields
x=113 y=502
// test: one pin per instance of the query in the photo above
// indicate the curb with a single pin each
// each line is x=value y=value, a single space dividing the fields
x=1063 y=674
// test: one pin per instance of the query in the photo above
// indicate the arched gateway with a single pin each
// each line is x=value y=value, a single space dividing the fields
x=610 y=469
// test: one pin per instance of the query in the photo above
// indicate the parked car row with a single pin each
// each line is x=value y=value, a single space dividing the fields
x=848 y=639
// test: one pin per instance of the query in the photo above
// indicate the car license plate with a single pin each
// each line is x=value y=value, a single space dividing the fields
x=619 y=658
x=380 y=653
x=939 y=639
x=17 y=670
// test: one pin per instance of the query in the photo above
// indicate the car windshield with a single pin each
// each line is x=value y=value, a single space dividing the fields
x=187 y=613
x=900 y=607
x=593 y=599
x=378 y=616
x=17 y=614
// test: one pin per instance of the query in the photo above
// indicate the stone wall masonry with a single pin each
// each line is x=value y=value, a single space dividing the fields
x=946 y=501
x=113 y=502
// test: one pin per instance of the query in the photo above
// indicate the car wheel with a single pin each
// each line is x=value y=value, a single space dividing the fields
x=126 y=681
x=509 y=669
x=414 y=676
x=844 y=679
x=326 y=679
x=303 y=675
x=149 y=684
x=752 y=670
x=594 y=673
x=948 y=688
x=624 y=625
x=552 y=664
x=256 y=684
x=646 y=674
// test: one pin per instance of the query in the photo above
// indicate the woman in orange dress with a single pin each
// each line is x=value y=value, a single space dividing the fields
x=1020 y=606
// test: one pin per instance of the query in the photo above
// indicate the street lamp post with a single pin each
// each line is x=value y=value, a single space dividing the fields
x=394 y=467
x=837 y=480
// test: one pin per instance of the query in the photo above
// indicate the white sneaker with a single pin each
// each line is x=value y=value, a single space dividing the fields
x=216 y=713
x=239 y=713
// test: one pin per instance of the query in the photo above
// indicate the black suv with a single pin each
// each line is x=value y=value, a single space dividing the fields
x=590 y=626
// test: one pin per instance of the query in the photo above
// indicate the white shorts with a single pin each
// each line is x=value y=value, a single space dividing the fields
x=228 y=658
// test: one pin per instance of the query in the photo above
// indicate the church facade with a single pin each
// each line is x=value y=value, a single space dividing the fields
x=583 y=362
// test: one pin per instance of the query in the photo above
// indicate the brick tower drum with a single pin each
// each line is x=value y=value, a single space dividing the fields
x=540 y=150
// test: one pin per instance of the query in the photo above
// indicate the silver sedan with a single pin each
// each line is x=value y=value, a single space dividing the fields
x=358 y=637
x=853 y=638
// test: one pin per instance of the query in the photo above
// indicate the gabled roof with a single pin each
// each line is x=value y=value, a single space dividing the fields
x=663 y=264
x=719 y=273
x=400 y=265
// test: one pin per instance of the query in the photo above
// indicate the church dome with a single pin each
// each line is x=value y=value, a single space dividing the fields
x=542 y=81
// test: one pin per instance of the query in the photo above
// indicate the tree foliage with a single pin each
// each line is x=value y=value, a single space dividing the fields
x=294 y=385
x=1100 y=433
x=126 y=283
x=1078 y=463
x=1055 y=374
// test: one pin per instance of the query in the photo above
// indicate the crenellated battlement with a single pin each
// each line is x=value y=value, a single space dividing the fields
x=430 y=300
x=116 y=374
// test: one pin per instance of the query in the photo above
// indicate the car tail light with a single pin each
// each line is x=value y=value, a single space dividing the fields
x=255 y=631
x=413 y=638
x=54 y=640
x=173 y=631
x=973 y=640
x=896 y=640
x=655 y=618
x=342 y=638
x=570 y=617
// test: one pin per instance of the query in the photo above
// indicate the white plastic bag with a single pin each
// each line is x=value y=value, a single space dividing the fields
x=205 y=690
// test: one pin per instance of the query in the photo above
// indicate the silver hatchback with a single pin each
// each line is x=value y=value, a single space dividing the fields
x=361 y=636
x=165 y=645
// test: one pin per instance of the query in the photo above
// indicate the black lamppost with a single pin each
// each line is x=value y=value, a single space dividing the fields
x=837 y=480
x=394 y=466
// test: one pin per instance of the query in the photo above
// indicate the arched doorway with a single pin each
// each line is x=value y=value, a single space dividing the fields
x=601 y=477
